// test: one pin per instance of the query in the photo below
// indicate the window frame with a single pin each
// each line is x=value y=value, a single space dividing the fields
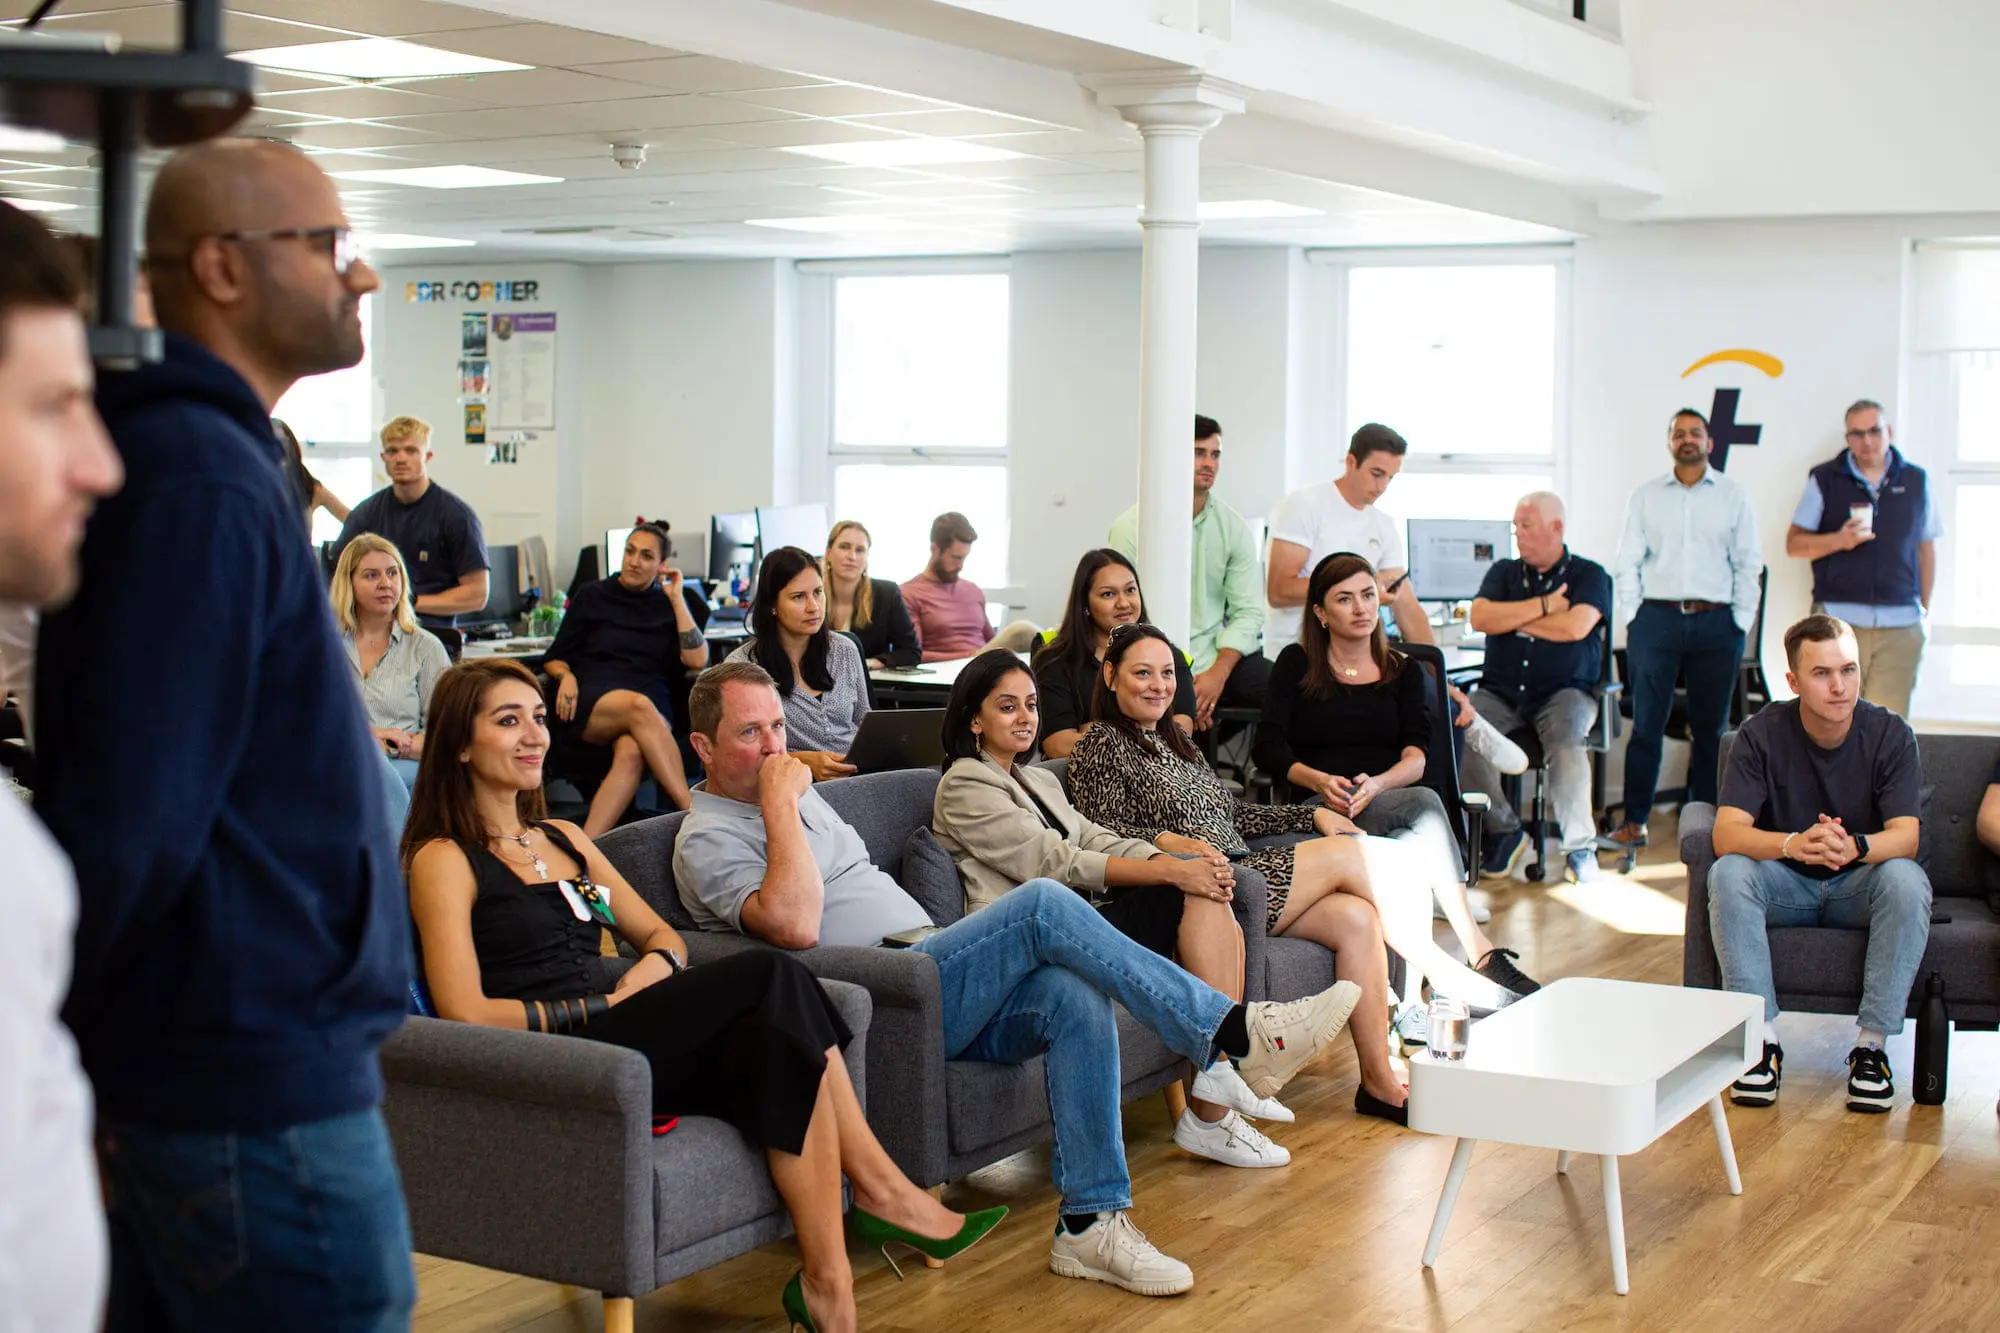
x=1933 y=398
x=1329 y=271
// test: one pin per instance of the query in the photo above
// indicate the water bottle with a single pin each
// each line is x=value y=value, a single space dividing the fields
x=1933 y=1044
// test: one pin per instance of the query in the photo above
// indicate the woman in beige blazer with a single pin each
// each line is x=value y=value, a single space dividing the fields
x=1006 y=822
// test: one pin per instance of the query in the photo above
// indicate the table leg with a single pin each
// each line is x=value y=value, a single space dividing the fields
x=1723 y=1142
x=1614 y=1222
x=1562 y=1162
x=1461 y=1157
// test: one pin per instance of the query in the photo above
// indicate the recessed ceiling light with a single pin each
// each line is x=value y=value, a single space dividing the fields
x=374 y=58
x=911 y=152
x=1242 y=209
x=857 y=222
x=457 y=177
x=396 y=240
x=40 y=206
x=14 y=139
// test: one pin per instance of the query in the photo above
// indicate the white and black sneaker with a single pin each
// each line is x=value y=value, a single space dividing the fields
x=1869 y=1085
x=1759 y=1087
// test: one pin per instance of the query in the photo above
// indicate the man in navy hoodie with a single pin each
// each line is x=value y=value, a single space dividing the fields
x=243 y=945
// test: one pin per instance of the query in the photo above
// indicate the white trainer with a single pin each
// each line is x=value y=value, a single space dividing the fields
x=1232 y=1140
x=1284 y=1036
x=1112 y=1250
x=1222 y=1085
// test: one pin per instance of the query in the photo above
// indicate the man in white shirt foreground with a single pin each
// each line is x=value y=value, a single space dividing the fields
x=55 y=460
x=1686 y=580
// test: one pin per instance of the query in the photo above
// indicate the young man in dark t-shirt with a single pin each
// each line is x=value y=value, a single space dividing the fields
x=1817 y=826
x=438 y=534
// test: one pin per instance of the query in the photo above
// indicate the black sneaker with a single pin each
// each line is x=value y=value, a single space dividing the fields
x=1504 y=855
x=1498 y=967
x=1869 y=1089
x=1759 y=1087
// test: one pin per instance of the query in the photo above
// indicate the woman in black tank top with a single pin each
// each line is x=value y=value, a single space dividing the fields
x=510 y=910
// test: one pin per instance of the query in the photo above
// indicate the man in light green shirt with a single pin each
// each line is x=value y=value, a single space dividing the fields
x=1226 y=610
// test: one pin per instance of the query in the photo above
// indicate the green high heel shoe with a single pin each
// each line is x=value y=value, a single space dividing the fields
x=874 y=1231
x=793 y=1298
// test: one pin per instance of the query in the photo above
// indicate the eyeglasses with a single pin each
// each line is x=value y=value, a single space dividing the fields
x=1128 y=630
x=1857 y=436
x=336 y=243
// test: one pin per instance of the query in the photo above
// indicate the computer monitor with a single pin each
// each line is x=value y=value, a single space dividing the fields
x=614 y=548
x=732 y=542
x=503 y=584
x=1449 y=557
x=803 y=526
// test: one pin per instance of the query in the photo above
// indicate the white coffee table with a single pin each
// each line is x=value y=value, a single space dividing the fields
x=1588 y=1065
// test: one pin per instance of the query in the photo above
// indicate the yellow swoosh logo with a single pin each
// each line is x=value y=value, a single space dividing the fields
x=1763 y=361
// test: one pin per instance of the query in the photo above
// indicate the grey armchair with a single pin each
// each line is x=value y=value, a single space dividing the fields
x=1817 y=969
x=950 y=1117
x=534 y=1154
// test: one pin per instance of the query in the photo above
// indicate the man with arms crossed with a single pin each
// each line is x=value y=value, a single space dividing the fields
x=55 y=461
x=438 y=534
x=243 y=948
x=1817 y=826
x=1869 y=524
x=1226 y=610
x=763 y=853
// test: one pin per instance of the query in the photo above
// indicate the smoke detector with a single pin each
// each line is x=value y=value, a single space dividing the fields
x=630 y=156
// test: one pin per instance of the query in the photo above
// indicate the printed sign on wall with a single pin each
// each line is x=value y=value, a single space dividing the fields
x=1724 y=430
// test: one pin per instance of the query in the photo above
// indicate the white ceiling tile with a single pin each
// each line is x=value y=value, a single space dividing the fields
x=703 y=74
x=955 y=124
x=799 y=132
x=358 y=103
x=545 y=44
x=1061 y=141
x=488 y=123
x=678 y=111
x=381 y=18
x=526 y=87
x=159 y=27
x=356 y=134
x=841 y=99
x=12 y=11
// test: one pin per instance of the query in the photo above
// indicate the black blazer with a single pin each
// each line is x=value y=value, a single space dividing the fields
x=890 y=637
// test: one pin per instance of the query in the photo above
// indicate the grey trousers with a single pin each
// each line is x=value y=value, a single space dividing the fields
x=1561 y=722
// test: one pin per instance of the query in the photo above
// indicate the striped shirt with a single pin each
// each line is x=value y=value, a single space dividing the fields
x=397 y=693
x=826 y=722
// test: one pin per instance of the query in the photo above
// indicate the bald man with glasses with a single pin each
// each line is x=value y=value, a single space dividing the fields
x=243 y=946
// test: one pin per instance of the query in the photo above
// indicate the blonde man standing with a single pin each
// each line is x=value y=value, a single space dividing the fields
x=437 y=532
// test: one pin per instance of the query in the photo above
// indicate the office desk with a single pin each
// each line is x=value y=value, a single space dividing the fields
x=529 y=652
x=926 y=686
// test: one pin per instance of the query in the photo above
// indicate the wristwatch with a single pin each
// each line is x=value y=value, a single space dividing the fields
x=1860 y=849
x=675 y=963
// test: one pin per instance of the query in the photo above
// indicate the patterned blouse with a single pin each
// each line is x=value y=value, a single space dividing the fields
x=1140 y=788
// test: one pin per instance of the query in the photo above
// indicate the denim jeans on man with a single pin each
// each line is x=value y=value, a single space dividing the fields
x=1035 y=974
x=1662 y=644
x=1561 y=722
x=301 y=1228
x=1891 y=900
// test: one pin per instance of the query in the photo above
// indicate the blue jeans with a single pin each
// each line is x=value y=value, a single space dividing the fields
x=300 y=1229
x=1891 y=900
x=1661 y=645
x=1035 y=974
x=399 y=776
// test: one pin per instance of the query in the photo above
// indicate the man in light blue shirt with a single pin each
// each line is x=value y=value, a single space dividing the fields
x=1869 y=524
x=1686 y=575
x=1226 y=610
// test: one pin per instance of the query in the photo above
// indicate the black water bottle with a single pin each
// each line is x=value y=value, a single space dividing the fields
x=1933 y=1044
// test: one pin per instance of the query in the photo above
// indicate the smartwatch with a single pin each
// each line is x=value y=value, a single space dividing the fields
x=675 y=963
x=1860 y=849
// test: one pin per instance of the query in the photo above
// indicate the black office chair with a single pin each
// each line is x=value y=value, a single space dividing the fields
x=1602 y=732
x=1228 y=728
x=453 y=641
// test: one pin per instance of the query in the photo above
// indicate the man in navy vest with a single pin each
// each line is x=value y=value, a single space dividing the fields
x=1869 y=526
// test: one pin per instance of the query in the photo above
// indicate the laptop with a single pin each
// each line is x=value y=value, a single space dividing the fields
x=892 y=738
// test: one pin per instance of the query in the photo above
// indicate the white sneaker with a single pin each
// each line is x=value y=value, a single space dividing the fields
x=1485 y=740
x=1232 y=1140
x=1283 y=1037
x=1222 y=1085
x=1112 y=1250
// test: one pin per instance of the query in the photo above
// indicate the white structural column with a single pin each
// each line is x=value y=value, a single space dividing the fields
x=1171 y=111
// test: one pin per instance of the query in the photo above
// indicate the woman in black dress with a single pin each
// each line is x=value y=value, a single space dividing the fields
x=626 y=642
x=510 y=907
x=1103 y=595
x=871 y=610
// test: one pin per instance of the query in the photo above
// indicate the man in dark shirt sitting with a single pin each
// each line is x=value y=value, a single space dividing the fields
x=437 y=532
x=1542 y=616
x=1817 y=826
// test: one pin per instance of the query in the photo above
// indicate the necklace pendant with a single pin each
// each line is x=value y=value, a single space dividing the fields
x=541 y=868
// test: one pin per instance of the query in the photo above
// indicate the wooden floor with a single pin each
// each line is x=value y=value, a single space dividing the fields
x=1845 y=1221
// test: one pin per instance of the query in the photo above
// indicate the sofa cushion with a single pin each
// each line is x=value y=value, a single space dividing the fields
x=884 y=808
x=931 y=878
x=1824 y=965
x=705 y=1161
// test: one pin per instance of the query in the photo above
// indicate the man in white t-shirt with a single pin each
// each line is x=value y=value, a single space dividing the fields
x=55 y=460
x=1311 y=524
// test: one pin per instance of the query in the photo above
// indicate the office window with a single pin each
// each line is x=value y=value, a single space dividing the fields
x=917 y=412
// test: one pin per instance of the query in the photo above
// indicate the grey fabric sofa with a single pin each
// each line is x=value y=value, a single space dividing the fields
x=534 y=1154
x=944 y=1118
x=1818 y=970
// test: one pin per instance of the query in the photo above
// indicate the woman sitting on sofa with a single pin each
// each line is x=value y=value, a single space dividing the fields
x=820 y=675
x=1006 y=822
x=1103 y=594
x=509 y=909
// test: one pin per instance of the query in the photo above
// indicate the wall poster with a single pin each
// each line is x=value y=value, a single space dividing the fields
x=522 y=383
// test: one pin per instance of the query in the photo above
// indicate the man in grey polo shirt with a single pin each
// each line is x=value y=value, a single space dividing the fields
x=762 y=853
